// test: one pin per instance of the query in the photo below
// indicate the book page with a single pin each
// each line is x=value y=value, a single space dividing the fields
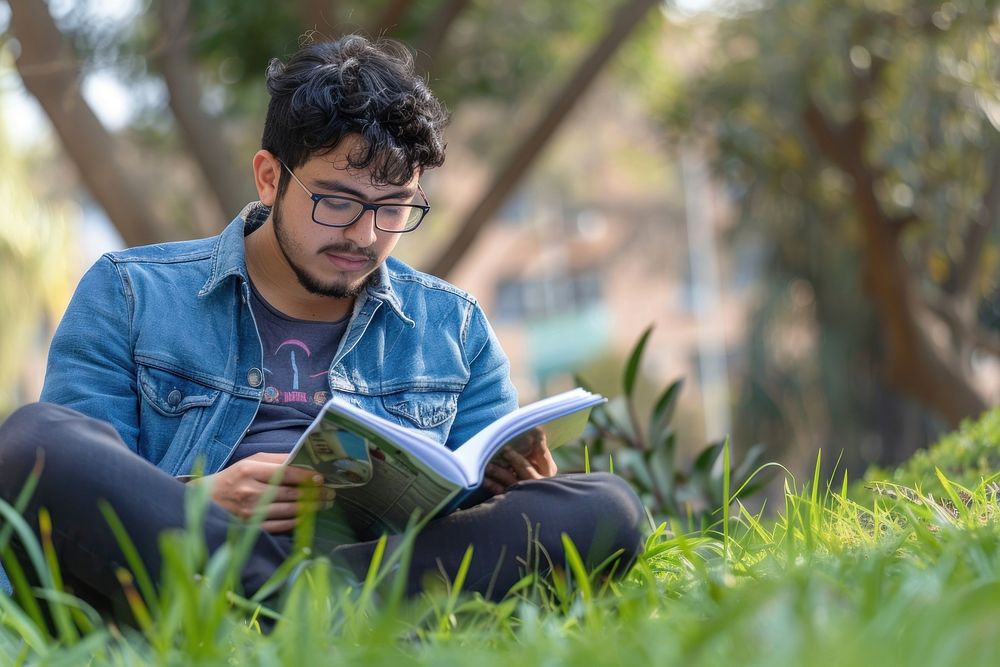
x=548 y=413
x=399 y=487
x=340 y=455
x=552 y=434
x=379 y=484
x=561 y=418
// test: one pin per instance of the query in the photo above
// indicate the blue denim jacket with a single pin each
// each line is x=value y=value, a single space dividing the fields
x=160 y=342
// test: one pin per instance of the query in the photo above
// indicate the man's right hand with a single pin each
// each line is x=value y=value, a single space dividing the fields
x=239 y=489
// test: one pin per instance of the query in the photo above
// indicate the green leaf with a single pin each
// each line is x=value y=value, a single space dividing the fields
x=706 y=459
x=576 y=566
x=632 y=367
x=663 y=411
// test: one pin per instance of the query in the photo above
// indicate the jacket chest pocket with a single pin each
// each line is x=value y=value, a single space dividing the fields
x=172 y=412
x=431 y=410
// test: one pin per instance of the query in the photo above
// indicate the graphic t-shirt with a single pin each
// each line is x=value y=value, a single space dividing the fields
x=297 y=358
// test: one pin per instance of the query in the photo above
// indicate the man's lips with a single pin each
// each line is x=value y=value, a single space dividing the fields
x=347 y=262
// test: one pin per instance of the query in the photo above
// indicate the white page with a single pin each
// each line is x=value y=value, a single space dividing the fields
x=474 y=454
x=434 y=454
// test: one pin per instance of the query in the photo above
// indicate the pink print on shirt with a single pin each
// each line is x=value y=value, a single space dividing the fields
x=289 y=379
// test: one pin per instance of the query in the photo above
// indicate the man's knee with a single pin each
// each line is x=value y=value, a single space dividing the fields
x=618 y=514
x=28 y=426
x=23 y=439
x=37 y=427
x=599 y=512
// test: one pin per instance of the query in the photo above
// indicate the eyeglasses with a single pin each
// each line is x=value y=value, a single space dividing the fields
x=340 y=211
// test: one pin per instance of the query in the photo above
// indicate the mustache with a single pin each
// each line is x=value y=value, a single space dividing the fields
x=349 y=249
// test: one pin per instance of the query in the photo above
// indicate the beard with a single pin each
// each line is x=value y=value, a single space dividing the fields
x=309 y=282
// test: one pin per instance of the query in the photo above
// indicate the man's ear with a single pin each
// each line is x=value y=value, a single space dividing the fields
x=266 y=174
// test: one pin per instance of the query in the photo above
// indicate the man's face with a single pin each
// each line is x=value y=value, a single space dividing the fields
x=336 y=262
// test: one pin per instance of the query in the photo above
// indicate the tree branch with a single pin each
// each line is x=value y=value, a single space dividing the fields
x=317 y=15
x=388 y=21
x=966 y=268
x=977 y=337
x=202 y=132
x=50 y=72
x=914 y=364
x=433 y=39
x=510 y=173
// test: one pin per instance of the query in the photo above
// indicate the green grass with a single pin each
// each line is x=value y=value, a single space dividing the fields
x=827 y=581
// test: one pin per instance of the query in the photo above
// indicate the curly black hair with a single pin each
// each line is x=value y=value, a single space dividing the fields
x=329 y=90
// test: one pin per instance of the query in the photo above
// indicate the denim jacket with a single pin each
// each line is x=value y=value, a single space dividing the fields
x=160 y=342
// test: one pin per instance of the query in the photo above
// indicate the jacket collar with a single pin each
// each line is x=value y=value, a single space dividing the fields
x=229 y=259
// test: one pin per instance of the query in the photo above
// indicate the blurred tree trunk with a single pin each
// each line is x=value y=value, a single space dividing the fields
x=50 y=72
x=203 y=133
x=915 y=364
x=433 y=38
x=388 y=21
x=510 y=173
x=319 y=15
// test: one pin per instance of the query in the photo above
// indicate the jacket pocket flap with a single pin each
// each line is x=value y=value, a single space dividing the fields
x=170 y=394
x=426 y=409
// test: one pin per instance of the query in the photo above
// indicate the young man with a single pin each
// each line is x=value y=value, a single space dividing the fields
x=219 y=352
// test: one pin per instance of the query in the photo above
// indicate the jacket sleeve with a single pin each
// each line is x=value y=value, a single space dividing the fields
x=90 y=366
x=489 y=394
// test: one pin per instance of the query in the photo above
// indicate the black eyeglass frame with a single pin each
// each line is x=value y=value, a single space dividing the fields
x=365 y=206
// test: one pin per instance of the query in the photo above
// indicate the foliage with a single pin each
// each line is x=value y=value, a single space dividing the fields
x=37 y=274
x=644 y=451
x=967 y=457
x=827 y=581
x=496 y=52
x=910 y=88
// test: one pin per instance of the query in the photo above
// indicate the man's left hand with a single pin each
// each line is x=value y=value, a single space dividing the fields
x=511 y=467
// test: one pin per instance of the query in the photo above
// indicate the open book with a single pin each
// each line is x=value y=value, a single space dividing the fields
x=384 y=472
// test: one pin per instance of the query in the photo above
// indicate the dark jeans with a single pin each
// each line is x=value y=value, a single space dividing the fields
x=84 y=460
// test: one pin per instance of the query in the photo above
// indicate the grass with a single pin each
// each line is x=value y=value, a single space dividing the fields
x=903 y=578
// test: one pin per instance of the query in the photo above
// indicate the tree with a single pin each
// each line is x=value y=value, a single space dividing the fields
x=879 y=122
x=50 y=72
x=509 y=174
x=37 y=242
x=202 y=47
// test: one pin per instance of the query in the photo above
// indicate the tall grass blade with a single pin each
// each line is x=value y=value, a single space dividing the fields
x=139 y=610
x=125 y=543
x=27 y=627
x=21 y=502
x=576 y=566
x=60 y=614
x=725 y=496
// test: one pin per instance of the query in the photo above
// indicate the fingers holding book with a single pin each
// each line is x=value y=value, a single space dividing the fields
x=289 y=490
x=511 y=466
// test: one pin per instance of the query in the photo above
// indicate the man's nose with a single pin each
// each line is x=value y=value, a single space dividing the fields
x=362 y=233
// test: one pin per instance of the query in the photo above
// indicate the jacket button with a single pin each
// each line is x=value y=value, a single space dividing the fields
x=254 y=377
x=174 y=397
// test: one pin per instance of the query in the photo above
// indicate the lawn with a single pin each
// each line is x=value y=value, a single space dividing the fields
x=872 y=573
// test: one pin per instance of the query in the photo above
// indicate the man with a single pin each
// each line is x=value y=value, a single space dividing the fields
x=218 y=352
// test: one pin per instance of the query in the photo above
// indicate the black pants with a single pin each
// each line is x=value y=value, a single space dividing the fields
x=84 y=460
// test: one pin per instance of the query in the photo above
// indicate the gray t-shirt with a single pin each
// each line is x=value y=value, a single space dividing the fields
x=297 y=358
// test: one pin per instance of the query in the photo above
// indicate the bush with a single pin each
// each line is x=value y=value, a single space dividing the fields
x=967 y=457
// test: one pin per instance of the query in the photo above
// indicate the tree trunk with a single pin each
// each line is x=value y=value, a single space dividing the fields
x=318 y=15
x=50 y=72
x=388 y=21
x=202 y=132
x=433 y=37
x=509 y=175
x=915 y=365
